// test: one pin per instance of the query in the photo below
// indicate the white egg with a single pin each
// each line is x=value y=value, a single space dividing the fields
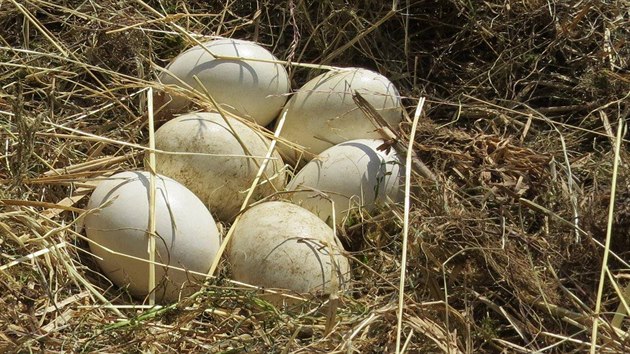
x=322 y=113
x=220 y=180
x=187 y=236
x=253 y=89
x=354 y=175
x=282 y=246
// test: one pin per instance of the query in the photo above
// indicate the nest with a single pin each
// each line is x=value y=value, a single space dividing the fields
x=506 y=245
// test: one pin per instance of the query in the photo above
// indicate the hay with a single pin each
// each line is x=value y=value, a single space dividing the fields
x=505 y=245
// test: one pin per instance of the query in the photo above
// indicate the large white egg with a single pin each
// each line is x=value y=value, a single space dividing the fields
x=354 y=175
x=252 y=89
x=221 y=179
x=282 y=246
x=322 y=113
x=187 y=236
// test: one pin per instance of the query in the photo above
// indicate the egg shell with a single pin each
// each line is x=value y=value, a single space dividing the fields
x=353 y=174
x=322 y=113
x=255 y=90
x=187 y=234
x=221 y=180
x=283 y=246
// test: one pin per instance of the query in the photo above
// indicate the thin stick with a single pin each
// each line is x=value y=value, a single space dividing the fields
x=261 y=171
x=572 y=196
x=403 y=268
x=407 y=341
x=611 y=209
x=31 y=256
x=151 y=231
x=334 y=280
x=389 y=135
x=95 y=137
x=34 y=203
x=623 y=305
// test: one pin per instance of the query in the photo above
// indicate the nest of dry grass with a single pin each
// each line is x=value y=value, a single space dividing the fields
x=505 y=248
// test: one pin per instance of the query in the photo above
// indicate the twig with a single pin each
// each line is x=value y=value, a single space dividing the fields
x=31 y=256
x=572 y=196
x=611 y=216
x=152 y=186
x=391 y=137
x=403 y=268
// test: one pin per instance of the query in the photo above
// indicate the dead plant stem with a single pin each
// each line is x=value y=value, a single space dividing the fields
x=152 y=186
x=611 y=215
x=403 y=267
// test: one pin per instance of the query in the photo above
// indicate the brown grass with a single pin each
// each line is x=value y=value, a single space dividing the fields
x=524 y=99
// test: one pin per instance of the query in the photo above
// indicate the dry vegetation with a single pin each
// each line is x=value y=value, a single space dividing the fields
x=524 y=99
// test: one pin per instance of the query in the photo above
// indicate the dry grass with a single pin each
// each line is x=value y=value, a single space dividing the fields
x=505 y=247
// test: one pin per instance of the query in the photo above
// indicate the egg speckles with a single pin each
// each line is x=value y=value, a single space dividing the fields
x=222 y=176
x=280 y=245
